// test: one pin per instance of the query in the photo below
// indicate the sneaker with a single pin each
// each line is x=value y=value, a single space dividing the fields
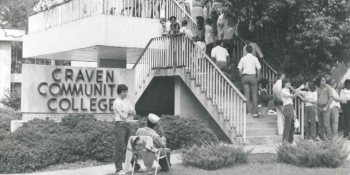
x=120 y=172
x=318 y=139
x=259 y=106
x=271 y=112
x=255 y=115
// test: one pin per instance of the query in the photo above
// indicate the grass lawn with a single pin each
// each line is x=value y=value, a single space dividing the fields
x=262 y=164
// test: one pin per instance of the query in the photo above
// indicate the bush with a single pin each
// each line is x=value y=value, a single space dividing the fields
x=214 y=156
x=11 y=100
x=41 y=143
x=182 y=132
x=331 y=153
x=6 y=115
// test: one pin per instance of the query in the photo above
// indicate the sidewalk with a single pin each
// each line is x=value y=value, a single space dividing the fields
x=175 y=159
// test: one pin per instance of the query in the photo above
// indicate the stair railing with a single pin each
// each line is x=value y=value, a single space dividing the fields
x=178 y=51
x=267 y=72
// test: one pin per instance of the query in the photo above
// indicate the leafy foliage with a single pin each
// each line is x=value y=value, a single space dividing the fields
x=11 y=100
x=300 y=37
x=6 y=115
x=41 y=143
x=183 y=132
x=214 y=156
x=331 y=153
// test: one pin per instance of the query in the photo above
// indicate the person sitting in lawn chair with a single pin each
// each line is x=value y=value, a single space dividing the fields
x=159 y=142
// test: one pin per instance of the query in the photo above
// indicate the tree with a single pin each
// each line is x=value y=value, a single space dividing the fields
x=14 y=13
x=300 y=37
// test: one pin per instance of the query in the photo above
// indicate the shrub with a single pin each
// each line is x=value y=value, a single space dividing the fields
x=331 y=153
x=6 y=115
x=214 y=156
x=182 y=132
x=11 y=100
x=41 y=143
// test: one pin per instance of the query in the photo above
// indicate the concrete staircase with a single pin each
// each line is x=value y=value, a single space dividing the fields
x=199 y=94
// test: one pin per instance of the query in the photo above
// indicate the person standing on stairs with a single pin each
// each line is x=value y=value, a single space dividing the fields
x=249 y=68
x=288 y=111
x=256 y=49
x=277 y=88
x=209 y=36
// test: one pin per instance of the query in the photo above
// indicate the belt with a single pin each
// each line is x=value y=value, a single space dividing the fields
x=249 y=74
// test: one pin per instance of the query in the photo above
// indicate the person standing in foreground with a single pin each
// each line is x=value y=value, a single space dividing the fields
x=288 y=111
x=345 y=94
x=159 y=142
x=335 y=107
x=249 y=68
x=310 y=97
x=324 y=99
x=124 y=112
x=277 y=88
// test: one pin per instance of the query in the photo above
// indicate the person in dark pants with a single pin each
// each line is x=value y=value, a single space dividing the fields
x=124 y=112
x=288 y=111
x=324 y=99
x=345 y=94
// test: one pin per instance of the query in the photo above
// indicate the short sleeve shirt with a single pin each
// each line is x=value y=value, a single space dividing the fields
x=285 y=99
x=219 y=53
x=323 y=95
x=249 y=64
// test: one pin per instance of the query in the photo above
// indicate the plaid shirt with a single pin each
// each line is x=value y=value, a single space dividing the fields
x=146 y=131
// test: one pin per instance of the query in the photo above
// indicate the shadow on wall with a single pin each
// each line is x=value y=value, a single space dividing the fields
x=158 y=98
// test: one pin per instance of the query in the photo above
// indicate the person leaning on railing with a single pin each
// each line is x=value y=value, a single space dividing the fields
x=310 y=98
x=200 y=37
x=276 y=89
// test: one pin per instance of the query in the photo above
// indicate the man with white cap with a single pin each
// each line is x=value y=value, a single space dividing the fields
x=159 y=142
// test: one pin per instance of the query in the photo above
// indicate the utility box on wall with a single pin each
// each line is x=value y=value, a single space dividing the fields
x=54 y=91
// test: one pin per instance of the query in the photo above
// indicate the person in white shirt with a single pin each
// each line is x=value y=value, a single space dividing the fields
x=288 y=111
x=36 y=8
x=124 y=112
x=276 y=89
x=256 y=49
x=310 y=97
x=345 y=94
x=335 y=107
x=220 y=56
x=185 y=29
x=249 y=68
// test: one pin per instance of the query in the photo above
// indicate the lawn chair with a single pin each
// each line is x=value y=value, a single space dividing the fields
x=141 y=148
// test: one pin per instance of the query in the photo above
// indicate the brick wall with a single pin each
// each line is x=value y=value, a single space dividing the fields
x=58 y=117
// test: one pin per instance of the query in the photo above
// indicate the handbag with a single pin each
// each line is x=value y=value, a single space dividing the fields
x=296 y=121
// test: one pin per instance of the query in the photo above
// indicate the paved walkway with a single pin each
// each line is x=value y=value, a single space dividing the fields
x=175 y=159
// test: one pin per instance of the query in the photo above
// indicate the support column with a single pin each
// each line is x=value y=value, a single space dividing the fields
x=5 y=67
x=177 y=98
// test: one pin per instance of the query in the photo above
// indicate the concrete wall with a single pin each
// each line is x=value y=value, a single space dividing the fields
x=187 y=105
x=100 y=29
x=35 y=102
x=5 y=67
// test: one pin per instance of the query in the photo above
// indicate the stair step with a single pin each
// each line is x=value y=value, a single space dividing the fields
x=262 y=125
x=262 y=132
x=263 y=140
x=266 y=117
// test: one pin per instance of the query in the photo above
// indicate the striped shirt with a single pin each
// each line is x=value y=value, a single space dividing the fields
x=146 y=131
